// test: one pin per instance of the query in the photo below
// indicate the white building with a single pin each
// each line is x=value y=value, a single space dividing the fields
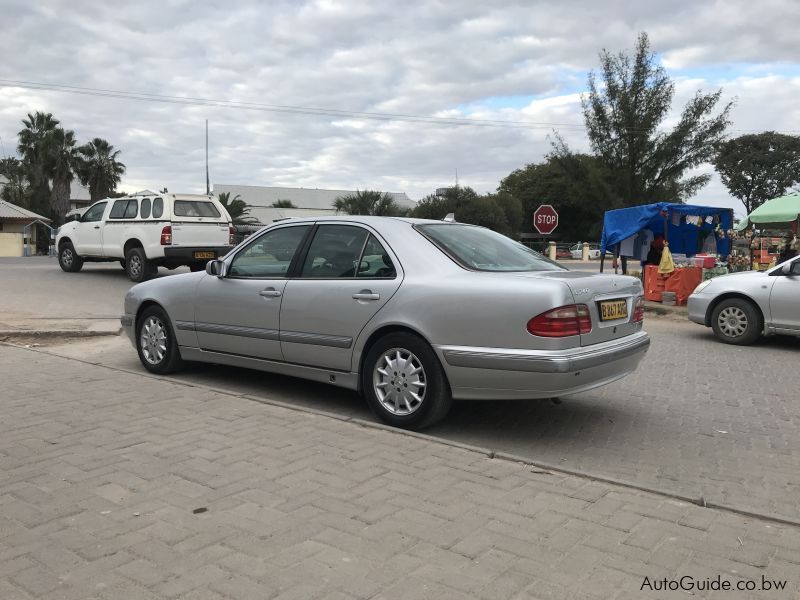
x=309 y=202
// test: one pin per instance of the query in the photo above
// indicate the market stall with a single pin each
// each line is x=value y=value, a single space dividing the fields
x=698 y=238
x=772 y=219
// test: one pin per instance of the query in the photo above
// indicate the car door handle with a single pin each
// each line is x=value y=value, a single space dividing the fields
x=366 y=295
x=97 y=226
x=270 y=293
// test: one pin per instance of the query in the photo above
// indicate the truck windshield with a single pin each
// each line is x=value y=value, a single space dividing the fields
x=482 y=249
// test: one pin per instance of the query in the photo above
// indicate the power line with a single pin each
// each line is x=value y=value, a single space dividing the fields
x=319 y=111
x=294 y=109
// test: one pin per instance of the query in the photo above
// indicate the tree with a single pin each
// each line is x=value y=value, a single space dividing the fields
x=63 y=161
x=623 y=115
x=237 y=208
x=369 y=202
x=283 y=204
x=99 y=168
x=34 y=148
x=16 y=190
x=500 y=212
x=438 y=206
x=576 y=185
x=758 y=167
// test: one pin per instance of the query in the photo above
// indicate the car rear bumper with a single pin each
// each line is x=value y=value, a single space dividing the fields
x=502 y=373
x=187 y=252
x=697 y=306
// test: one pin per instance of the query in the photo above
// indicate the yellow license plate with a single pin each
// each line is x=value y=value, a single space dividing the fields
x=205 y=255
x=611 y=310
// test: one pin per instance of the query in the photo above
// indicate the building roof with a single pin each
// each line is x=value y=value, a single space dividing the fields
x=269 y=214
x=12 y=212
x=312 y=198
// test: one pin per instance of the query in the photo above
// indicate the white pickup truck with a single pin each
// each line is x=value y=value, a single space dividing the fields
x=145 y=232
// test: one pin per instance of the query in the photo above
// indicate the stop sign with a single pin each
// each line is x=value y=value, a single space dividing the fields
x=545 y=219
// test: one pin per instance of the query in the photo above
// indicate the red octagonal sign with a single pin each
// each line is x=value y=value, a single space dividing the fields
x=545 y=219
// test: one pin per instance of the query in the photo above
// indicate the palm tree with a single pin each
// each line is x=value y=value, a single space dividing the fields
x=283 y=204
x=100 y=170
x=64 y=160
x=237 y=208
x=33 y=147
x=369 y=202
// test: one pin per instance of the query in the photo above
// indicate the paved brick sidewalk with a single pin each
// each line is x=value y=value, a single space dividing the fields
x=120 y=486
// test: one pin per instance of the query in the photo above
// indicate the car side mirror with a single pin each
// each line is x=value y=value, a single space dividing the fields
x=216 y=268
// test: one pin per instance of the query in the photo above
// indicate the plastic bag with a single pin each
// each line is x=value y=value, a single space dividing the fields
x=666 y=265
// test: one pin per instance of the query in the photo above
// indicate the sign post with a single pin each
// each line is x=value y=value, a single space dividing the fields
x=545 y=219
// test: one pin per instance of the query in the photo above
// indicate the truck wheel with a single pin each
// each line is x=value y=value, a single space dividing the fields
x=68 y=259
x=137 y=265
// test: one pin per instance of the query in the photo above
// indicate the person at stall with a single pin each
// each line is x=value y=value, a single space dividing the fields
x=656 y=250
x=789 y=249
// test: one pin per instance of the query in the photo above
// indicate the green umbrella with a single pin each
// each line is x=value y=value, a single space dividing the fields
x=775 y=213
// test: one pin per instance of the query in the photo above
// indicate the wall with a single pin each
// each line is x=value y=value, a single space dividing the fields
x=10 y=243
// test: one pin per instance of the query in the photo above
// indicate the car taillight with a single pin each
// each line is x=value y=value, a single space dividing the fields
x=638 y=310
x=231 y=236
x=166 y=235
x=573 y=319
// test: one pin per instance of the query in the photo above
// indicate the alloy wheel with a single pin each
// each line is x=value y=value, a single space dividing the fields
x=135 y=265
x=399 y=381
x=153 y=340
x=732 y=321
x=67 y=257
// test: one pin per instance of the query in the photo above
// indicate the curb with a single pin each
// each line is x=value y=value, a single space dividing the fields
x=7 y=334
x=489 y=453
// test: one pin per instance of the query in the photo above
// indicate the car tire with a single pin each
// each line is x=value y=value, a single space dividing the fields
x=122 y=264
x=737 y=321
x=138 y=267
x=387 y=391
x=155 y=342
x=68 y=259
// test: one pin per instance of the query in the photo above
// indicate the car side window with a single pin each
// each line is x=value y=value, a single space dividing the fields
x=118 y=210
x=95 y=213
x=375 y=261
x=334 y=252
x=270 y=254
x=145 y=212
x=132 y=209
x=158 y=208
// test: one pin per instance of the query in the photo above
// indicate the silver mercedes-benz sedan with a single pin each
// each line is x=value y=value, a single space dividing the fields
x=742 y=307
x=412 y=313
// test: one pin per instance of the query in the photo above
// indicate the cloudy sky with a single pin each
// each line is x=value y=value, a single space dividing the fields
x=512 y=61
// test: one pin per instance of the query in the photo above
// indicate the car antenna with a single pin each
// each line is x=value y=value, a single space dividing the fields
x=450 y=218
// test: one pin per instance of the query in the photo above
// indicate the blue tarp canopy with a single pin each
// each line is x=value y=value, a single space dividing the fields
x=684 y=238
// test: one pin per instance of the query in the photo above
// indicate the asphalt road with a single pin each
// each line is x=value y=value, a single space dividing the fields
x=698 y=418
x=36 y=287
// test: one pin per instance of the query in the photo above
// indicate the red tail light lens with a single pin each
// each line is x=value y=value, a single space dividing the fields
x=166 y=235
x=231 y=235
x=564 y=321
x=638 y=310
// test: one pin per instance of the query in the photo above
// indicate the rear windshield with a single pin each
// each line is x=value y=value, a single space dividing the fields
x=482 y=249
x=195 y=208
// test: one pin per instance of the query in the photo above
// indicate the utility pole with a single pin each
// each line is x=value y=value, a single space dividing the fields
x=208 y=182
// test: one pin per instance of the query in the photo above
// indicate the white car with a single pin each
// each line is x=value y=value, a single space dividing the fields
x=145 y=232
x=577 y=251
